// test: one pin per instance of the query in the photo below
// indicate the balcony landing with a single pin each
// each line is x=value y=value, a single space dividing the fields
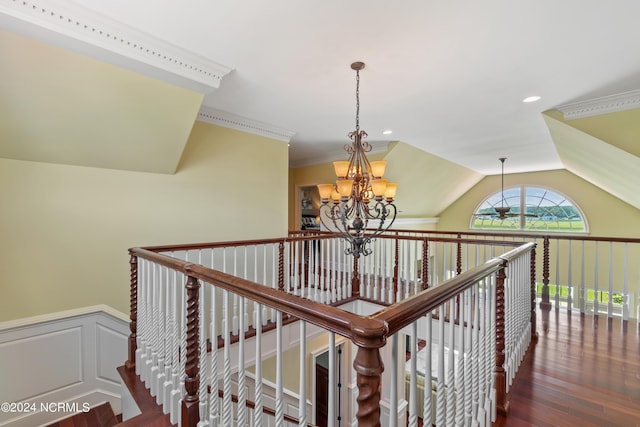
x=582 y=372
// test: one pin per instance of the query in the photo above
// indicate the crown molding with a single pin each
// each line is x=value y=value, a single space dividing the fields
x=233 y=121
x=606 y=104
x=80 y=26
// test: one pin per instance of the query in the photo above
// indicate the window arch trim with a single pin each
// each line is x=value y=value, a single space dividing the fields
x=525 y=194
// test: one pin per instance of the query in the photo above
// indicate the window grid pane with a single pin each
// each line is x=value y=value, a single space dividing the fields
x=544 y=210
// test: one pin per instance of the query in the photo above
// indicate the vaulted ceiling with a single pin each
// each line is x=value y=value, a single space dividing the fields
x=119 y=84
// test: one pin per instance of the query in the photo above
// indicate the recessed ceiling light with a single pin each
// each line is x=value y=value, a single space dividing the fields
x=531 y=99
x=387 y=132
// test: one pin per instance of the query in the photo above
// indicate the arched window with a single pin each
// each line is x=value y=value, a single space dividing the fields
x=530 y=209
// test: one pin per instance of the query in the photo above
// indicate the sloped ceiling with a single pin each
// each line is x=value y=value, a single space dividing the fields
x=602 y=150
x=118 y=84
x=61 y=107
x=439 y=181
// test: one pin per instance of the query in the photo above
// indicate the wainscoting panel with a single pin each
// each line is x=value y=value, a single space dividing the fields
x=53 y=359
x=54 y=365
x=108 y=339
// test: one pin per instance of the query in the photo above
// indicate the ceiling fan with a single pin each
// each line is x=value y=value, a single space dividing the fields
x=502 y=211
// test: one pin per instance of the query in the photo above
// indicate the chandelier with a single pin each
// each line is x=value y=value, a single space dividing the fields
x=359 y=206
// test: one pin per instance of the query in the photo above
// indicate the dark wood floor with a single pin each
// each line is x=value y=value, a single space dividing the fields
x=582 y=372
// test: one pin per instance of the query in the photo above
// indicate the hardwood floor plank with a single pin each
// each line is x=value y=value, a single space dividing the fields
x=582 y=372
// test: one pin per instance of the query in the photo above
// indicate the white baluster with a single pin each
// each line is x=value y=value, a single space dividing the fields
x=316 y=268
x=413 y=381
x=279 y=393
x=468 y=359
x=152 y=362
x=331 y=410
x=610 y=288
x=475 y=354
x=262 y=309
x=450 y=393
x=427 y=404
x=142 y=322
x=214 y=402
x=569 y=281
x=383 y=273
x=234 y=327
x=414 y=261
x=162 y=335
x=203 y=395
x=258 y=416
x=440 y=384
x=557 y=295
x=302 y=402
x=227 y=409
x=625 y=285
x=296 y=269
x=167 y=386
x=242 y=390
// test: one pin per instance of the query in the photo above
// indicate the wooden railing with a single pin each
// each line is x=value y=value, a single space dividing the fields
x=201 y=314
x=590 y=274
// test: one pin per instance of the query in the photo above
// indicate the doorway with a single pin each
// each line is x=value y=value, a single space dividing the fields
x=321 y=375
x=309 y=208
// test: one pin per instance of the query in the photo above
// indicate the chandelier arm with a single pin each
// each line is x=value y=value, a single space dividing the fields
x=350 y=217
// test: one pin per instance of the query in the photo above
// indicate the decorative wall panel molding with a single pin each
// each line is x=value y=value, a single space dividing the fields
x=65 y=357
x=232 y=121
x=606 y=104
x=80 y=26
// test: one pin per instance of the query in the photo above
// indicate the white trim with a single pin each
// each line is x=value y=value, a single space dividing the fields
x=313 y=356
x=606 y=104
x=79 y=26
x=233 y=121
x=63 y=315
x=64 y=357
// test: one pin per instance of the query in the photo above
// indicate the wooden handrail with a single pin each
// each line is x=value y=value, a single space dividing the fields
x=537 y=236
x=411 y=309
x=330 y=318
x=368 y=333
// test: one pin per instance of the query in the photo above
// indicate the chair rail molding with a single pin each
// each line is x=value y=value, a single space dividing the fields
x=61 y=363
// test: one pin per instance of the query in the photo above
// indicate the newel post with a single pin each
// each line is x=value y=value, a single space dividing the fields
x=369 y=338
x=191 y=402
x=130 y=364
x=499 y=374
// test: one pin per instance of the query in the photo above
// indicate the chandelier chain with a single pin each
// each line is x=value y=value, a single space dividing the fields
x=357 y=100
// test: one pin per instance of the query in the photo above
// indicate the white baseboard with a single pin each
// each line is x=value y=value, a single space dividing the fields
x=70 y=356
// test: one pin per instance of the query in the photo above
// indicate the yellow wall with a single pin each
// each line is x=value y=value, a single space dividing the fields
x=308 y=176
x=291 y=364
x=606 y=214
x=65 y=230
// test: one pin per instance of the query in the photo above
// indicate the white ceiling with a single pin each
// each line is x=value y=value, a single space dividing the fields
x=446 y=77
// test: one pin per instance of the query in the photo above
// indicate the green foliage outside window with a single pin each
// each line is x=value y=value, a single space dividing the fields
x=602 y=296
x=530 y=209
